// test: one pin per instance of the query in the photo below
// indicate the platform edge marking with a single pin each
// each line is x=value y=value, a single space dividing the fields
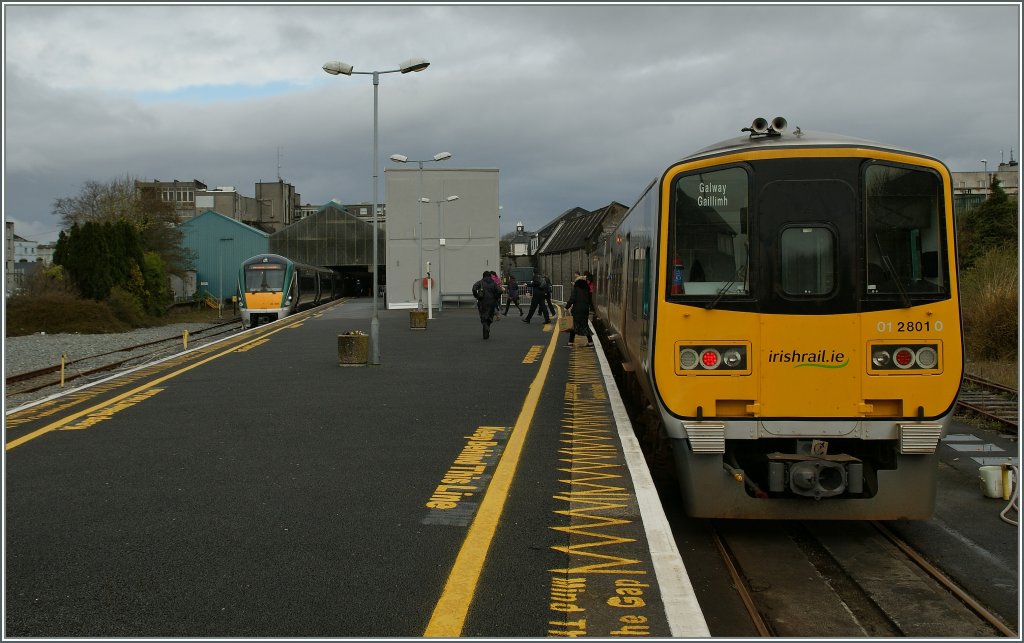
x=683 y=612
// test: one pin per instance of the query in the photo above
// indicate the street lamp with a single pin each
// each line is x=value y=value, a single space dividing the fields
x=440 y=244
x=334 y=68
x=220 y=277
x=401 y=158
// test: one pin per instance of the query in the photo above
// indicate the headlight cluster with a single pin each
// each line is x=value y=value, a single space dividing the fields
x=710 y=358
x=922 y=357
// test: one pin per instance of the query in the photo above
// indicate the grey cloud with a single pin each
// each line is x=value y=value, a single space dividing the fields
x=575 y=105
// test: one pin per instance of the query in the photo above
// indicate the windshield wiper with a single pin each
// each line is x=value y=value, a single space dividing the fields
x=889 y=268
x=721 y=293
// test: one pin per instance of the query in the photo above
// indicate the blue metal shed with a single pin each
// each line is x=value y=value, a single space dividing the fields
x=220 y=245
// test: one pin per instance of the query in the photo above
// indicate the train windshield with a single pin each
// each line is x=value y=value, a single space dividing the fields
x=904 y=230
x=708 y=238
x=264 y=277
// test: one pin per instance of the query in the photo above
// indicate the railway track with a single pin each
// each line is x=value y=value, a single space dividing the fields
x=990 y=400
x=85 y=367
x=842 y=579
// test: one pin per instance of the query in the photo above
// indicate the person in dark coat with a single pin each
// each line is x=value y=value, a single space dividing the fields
x=537 y=301
x=487 y=300
x=579 y=304
x=547 y=295
x=513 y=295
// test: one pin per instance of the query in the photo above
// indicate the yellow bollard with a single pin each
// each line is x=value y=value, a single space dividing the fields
x=63 y=357
x=184 y=339
x=1008 y=482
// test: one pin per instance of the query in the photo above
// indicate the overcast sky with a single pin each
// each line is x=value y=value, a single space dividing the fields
x=575 y=105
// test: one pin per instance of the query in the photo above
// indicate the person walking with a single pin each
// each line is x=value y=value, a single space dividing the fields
x=547 y=295
x=537 y=300
x=513 y=295
x=579 y=304
x=497 y=304
x=487 y=295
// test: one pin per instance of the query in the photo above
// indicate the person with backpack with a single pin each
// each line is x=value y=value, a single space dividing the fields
x=547 y=295
x=579 y=304
x=538 y=299
x=487 y=294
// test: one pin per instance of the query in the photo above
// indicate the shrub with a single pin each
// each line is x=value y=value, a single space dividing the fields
x=126 y=307
x=988 y=298
x=59 y=312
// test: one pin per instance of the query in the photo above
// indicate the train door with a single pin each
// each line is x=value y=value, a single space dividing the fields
x=809 y=357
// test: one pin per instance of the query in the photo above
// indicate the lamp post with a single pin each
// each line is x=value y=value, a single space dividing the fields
x=334 y=68
x=401 y=158
x=441 y=243
x=984 y=164
x=220 y=277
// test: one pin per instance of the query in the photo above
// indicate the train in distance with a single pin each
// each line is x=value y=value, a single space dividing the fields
x=271 y=287
x=786 y=302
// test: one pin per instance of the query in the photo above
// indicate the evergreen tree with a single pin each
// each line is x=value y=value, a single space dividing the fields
x=98 y=257
x=993 y=224
x=156 y=287
x=84 y=252
x=154 y=219
x=118 y=235
x=126 y=255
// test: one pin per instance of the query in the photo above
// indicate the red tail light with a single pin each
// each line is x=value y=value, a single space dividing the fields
x=910 y=357
x=696 y=358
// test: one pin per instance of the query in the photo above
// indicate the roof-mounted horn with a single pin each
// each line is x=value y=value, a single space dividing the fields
x=761 y=127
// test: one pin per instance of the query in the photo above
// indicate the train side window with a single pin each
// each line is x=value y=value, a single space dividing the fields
x=808 y=257
x=708 y=234
x=307 y=281
x=647 y=285
x=905 y=236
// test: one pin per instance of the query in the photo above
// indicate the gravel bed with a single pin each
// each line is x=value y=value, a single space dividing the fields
x=33 y=352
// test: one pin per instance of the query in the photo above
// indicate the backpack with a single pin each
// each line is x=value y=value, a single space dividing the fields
x=478 y=290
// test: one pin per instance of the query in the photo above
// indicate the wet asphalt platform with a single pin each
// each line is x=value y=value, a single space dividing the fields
x=257 y=488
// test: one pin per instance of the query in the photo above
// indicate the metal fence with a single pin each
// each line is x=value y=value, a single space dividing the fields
x=526 y=295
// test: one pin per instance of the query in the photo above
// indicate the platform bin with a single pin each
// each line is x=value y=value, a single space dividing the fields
x=353 y=348
x=418 y=319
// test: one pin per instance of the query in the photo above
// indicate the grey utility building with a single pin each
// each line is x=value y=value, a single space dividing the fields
x=447 y=217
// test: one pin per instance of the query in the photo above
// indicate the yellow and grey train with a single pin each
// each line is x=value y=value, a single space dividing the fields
x=787 y=301
x=271 y=287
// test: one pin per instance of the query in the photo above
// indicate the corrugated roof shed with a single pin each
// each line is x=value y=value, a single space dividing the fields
x=573 y=231
x=330 y=237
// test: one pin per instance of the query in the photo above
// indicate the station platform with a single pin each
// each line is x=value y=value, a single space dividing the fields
x=462 y=487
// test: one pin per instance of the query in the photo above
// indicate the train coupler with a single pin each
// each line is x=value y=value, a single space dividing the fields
x=815 y=476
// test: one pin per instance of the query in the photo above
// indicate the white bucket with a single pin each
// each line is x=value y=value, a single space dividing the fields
x=991 y=477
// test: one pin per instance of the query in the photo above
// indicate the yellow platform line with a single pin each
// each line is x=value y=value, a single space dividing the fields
x=53 y=426
x=449 y=615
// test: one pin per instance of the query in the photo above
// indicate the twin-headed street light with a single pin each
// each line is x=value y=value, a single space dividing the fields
x=335 y=68
x=440 y=241
x=440 y=156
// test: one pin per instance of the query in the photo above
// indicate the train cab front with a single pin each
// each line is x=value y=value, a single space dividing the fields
x=807 y=342
x=823 y=420
x=263 y=297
